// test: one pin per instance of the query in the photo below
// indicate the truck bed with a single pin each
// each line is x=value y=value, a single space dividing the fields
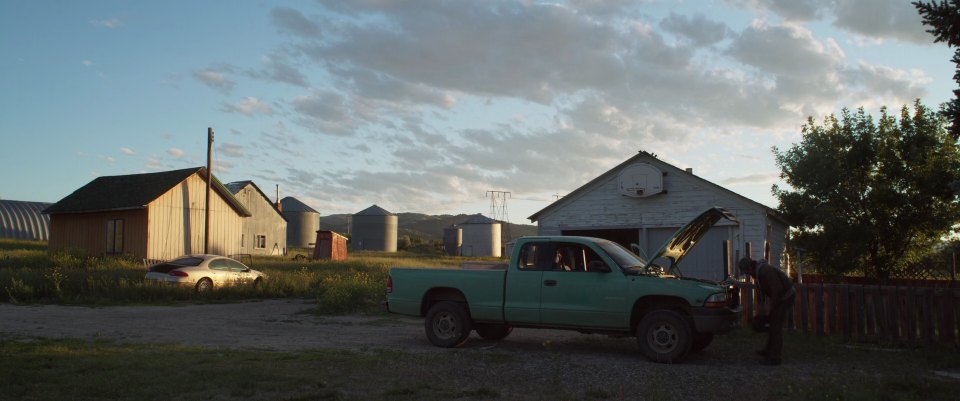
x=482 y=288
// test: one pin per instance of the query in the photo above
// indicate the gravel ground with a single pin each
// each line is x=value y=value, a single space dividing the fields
x=576 y=362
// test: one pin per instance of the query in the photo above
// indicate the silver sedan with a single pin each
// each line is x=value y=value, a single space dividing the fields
x=204 y=272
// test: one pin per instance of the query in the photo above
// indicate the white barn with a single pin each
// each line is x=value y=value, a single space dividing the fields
x=644 y=200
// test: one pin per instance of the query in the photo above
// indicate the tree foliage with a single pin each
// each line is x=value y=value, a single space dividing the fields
x=867 y=195
x=944 y=20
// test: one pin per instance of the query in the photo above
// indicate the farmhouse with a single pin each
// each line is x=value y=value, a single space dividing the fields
x=155 y=216
x=644 y=200
x=265 y=231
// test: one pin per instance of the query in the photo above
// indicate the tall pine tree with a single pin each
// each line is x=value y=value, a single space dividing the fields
x=944 y=20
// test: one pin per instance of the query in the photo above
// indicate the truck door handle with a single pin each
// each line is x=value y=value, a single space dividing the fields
x=550 y=283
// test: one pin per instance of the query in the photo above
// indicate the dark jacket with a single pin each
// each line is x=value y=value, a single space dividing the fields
x=773 y=283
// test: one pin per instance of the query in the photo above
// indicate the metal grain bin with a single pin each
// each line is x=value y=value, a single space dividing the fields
x=24 y=220
x=481 y=237
x=374 y=229
x=453 y=240
x=302 y=223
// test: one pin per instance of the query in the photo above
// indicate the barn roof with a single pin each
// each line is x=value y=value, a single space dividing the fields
x=134 y=191
x=237 y=186
x=642 y=155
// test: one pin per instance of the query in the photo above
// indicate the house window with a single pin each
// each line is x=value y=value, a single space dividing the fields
x=261 y=242
x=115 y=236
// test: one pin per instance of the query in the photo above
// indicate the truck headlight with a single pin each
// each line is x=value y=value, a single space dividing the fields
x=718 y=300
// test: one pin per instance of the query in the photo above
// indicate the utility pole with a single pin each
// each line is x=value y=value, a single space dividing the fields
x=498 y=211
x=206 y=214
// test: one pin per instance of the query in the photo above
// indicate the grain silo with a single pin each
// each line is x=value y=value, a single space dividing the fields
x=481 y=237
x=24 y=220
x=453 y=240
x=374 y=229
x=302 y=223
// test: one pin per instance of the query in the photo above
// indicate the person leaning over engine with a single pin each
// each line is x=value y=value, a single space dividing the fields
x=777 y=297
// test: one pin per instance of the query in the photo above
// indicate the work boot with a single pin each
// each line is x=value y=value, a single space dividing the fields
x=762 y=352
x=770 y=362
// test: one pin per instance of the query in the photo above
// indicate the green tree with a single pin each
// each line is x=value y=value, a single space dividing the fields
x=868 y=196
x=944 y=20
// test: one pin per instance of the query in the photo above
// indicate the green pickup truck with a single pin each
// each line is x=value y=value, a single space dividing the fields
x=591 y=285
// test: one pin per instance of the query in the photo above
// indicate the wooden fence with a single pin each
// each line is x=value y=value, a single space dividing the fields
x=908 y=316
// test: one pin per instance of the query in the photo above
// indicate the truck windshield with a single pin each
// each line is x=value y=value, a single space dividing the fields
x=621 y=255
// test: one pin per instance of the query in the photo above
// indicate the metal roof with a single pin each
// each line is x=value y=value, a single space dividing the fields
x=24 y=220
x=480 y=219
x=374 y=211
x=134 y=191
x=291 y=204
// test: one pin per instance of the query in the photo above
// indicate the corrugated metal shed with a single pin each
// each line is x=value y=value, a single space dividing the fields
x=24 y=220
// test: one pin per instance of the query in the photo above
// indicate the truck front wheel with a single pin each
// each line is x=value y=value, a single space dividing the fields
x=664 y=336
x=447 y=324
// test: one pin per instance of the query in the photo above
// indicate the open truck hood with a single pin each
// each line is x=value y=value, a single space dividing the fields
x=683 y=240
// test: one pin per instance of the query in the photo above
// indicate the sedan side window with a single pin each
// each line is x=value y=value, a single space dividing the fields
x=237 y=266
x=219 y=264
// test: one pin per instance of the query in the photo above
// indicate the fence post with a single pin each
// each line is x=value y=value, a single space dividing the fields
x=948 y=327
x=910 y=316
x=846 y=311
x=861 y=314
x=804 y=312
x=818 y=303
x=926 y=308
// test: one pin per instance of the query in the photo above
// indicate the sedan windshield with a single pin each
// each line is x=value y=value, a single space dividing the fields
x=623 y=257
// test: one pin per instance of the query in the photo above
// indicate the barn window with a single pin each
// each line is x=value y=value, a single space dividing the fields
x=115 y=236
x=261 y=242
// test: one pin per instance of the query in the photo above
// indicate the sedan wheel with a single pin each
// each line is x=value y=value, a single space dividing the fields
x=204 y=285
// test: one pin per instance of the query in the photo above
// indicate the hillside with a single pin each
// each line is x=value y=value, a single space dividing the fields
x=419 y=225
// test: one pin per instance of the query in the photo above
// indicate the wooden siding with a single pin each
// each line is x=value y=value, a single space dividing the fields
x=265 y=220
x=87 y=232
x=177 y=222
x=603 y=207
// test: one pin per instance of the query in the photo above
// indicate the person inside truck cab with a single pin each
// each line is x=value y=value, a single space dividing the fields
x=559 y=263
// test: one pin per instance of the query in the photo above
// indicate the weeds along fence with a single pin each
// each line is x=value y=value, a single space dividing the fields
x=894 y=315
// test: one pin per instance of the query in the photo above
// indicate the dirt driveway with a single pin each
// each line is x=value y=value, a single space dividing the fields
x=282 y=325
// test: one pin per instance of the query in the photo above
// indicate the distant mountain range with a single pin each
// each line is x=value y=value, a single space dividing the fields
x=424 y=226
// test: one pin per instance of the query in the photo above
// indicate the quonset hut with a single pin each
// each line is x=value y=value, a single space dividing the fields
x=302 y=222
x=374 y=229
x=24 y=220
x=481 y=237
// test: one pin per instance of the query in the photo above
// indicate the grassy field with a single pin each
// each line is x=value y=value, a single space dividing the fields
x=28 y=274
x=818 y=370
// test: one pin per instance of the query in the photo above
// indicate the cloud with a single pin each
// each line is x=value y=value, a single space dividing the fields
x=249 y=106
x=87 y=63
x=763 y=178
x=231 y=150
x=175 y=152
x=111 y=23
x=216 y=80
x=293 y=22
x=895 y=19
x=127 y=151
x=278 y=69
x=699 y=29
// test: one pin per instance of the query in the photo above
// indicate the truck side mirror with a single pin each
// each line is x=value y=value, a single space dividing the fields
x=598 y=266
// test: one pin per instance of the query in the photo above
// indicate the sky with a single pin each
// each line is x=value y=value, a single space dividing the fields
x=425 y=106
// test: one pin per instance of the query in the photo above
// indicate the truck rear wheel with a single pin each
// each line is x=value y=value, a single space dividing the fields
x=493 y=332
x=447 y=324
x=664 y=336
